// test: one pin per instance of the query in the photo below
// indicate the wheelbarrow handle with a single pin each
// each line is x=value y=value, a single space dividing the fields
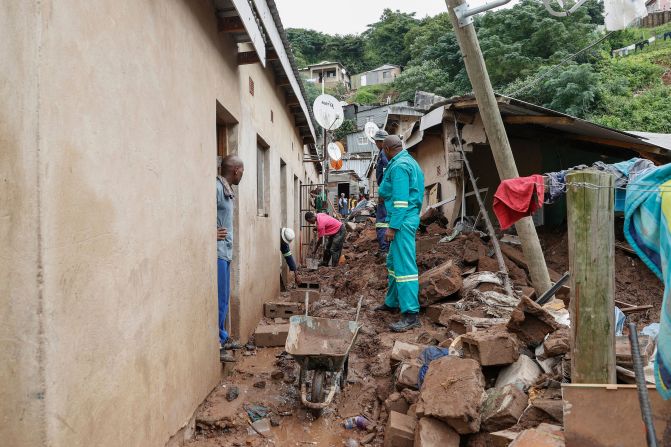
x=358 y=309
x=307 y=302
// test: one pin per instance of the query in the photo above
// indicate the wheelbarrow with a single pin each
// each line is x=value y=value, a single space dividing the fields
x=321 y=348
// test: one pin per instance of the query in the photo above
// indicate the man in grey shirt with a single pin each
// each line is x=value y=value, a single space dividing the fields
x=230 y=173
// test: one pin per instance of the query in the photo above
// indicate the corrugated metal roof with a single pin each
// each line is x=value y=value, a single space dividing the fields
x=658 y=139
x=358 y=165
x=581 y=129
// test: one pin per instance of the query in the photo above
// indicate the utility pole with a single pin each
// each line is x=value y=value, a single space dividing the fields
x=496 y=134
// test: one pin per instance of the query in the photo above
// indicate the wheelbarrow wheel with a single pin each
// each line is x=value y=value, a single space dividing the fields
x=317 y=391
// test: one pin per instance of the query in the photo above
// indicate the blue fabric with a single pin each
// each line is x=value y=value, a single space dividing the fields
x=427 y=356
x=225 y=204
x=380 y=167
x=224 y=293
x=381 y=232
x=647 y=218
x=288 y=256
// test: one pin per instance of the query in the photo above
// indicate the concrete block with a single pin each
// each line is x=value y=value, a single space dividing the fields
x=531 y=322
x=452 y=392
x=438 y=313
x=547 y=364
x=523 y=373
x=538 y=438
x=431 y=432
x=557 y=343
x=407 y=374
x=271 y=335
x=400 y=431
x=438 y=283
x=552 y=407
x=502 y=408
x=402 y=351
x=493 y=346
x=298 y=295
x=282 y=309
x=396 y=402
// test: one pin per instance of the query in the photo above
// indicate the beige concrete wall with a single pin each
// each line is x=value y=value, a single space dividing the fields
x=258 y=238
x=21 y=377
x=108 y=291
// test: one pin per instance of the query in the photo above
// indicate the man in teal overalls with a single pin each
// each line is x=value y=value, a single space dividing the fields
x=402 y=189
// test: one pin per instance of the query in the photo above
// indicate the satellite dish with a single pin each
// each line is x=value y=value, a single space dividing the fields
x=336 y=164
x=334 y=151
x=370 y=129
x=341 y=147
x=328 y=112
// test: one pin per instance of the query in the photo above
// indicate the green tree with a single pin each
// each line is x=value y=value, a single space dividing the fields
x=347 y=127
x=384 y=40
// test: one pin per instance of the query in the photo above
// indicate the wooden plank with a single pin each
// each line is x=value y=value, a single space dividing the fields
x=251 y=26
x=231 y=25
x=609 y=415
x=542 y=120
x=248 y=57
x=616 y=143
x=591 y=241
x=637 y=308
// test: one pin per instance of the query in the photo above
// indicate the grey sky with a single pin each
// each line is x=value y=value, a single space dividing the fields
x=348 y=16
x=351 y=16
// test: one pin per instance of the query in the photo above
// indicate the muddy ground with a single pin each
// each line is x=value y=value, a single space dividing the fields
x=267 y=377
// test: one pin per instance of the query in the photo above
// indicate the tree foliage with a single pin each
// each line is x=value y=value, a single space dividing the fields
x=556 y=62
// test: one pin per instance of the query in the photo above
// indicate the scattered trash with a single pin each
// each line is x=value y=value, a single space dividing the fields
x=256 y=412
x=356 y=422
x=619 y=321
x=651 y=330
x=352 y=443
x=427 y=356
x=259 y=427
x=275 y=420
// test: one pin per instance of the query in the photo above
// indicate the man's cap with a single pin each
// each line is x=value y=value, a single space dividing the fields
x=380 y=135
x=288 y=235
x=393 y=142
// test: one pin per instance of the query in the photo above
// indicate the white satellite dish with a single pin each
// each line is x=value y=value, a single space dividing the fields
x=334 y=151
x=328 y=112
x=370 y=129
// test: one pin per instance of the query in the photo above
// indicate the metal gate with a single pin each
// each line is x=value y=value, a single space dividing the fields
x=307 y=204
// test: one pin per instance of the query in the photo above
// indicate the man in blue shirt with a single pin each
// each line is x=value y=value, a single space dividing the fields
x=230 y=173
x=381 y=223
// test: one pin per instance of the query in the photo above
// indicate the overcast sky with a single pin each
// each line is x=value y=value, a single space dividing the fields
x=350 y=16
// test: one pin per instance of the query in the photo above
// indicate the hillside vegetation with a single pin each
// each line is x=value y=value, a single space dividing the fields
x=530 y=55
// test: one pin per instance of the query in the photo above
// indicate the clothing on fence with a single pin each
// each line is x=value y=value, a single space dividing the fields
x=647 y=229
x=516 y=198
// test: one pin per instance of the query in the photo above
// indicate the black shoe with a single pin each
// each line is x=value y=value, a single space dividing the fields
x=407 y=321
x=384 y=308
x=226 y=357
x=232 y=345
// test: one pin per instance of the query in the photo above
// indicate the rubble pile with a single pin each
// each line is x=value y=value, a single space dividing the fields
x=485 y=369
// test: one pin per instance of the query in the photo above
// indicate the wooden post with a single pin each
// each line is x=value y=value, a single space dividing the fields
x=591 y=243
x=498 y=141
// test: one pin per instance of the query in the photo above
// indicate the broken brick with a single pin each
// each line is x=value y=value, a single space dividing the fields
x=531 y=322
x=403 y=351
x=452 y=392
x=538 y=438
x=523 y=373
x=438 y=283
x=483 y=439
x=410 y=396
x=396 y=402
x=431 y=432
x=474 y=249
x=298 y=295
x=412 y=411
x=400 y=431
x=493 y=346
x=553 y=407
x=557 y=343
x=437 y=313
x=502 y=408
x=427 y=243
x=271 y=335
x=282 y=310
x=407 y=374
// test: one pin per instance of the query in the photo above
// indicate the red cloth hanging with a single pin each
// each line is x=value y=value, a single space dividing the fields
x=516 y=198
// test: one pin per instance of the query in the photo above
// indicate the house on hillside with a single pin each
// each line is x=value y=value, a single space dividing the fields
x=384 y=74
x=113 y=118
x=542 y=140
x=658 y=5
x=331 y=73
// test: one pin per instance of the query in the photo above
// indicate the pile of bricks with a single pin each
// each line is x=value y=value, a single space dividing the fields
x=498 y=386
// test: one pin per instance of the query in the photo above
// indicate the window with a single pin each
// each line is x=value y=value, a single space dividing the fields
x=362 y=140
x=262 y=177
x=331 y=74
x=386 y=74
